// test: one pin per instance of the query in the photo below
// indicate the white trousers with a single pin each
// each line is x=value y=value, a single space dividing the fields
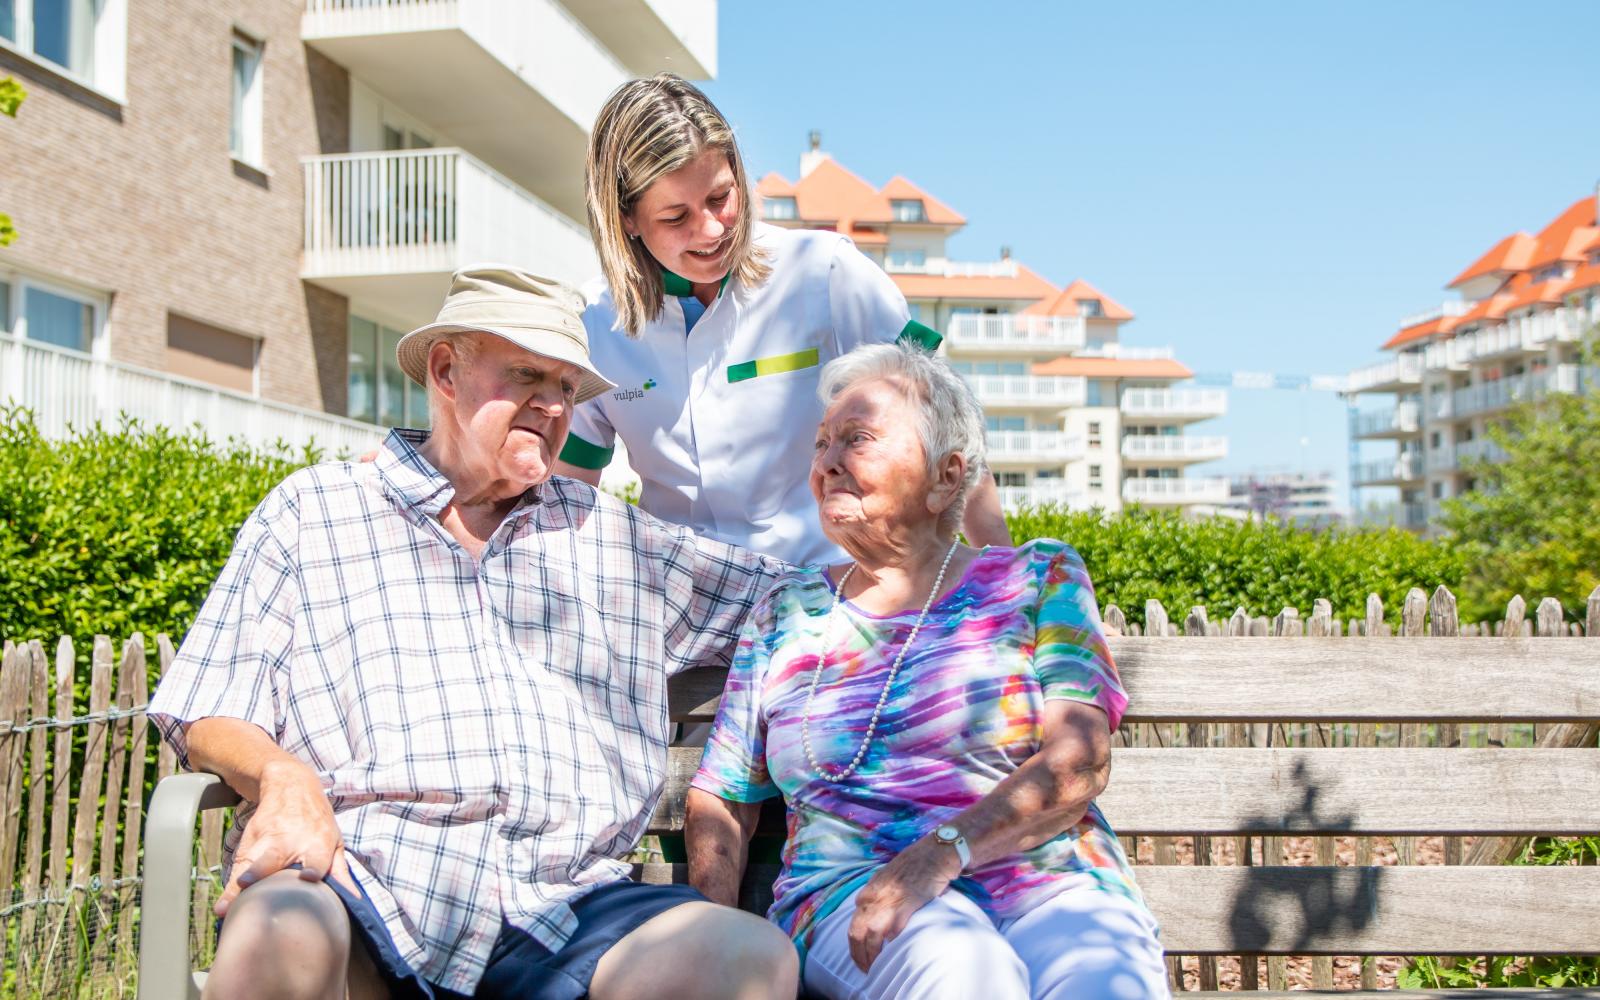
x=1084 y=944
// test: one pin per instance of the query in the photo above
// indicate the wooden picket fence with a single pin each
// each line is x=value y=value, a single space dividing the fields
x=77 y=774
x=73 y=792
x=1421 y=615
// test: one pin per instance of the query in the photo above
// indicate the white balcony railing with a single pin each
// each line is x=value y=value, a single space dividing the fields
x=1404 y=468
x=1055 y=447
x=66 y=390
x=1026 y=333
x=1454 y=307
x=1174 y=404
x=1501 y=393
x=1043 y=492
x=1124 y=352
x=1387 y=376
x=1169 y=492
x=430 y=211
x=954 y=268
x=1412 y=516
x=1158 y=448
x=1057 y=392
x=1401 y=419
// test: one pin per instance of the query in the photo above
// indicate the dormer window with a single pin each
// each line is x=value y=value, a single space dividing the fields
x=1090 y=308
x=908 y=210
x=1552 y=272
x=780 y=208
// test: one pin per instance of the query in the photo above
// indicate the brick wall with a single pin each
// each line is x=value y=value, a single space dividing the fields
x=143 y=200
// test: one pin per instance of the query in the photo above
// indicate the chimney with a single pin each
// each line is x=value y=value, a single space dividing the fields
x=813 y=156
x=1005 y=253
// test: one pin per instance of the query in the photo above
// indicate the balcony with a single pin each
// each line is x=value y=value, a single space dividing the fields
x=1016 y=334
x=1174 y=404
x=941 y=268
x=1034 y=448
x=391 y=227
x=649 y=35
x=1124 y=352
x=66 y=390
x=1054 y=392
x=1151 y=492
x=1410 y=516
x=1043 y=492
x=1487 y=397
x=519 y=82
x=1401 y=470
x=1172 y=449
x=1396 y=375
x=1402 y=420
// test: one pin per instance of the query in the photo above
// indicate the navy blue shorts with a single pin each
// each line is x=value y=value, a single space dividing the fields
x=520 y=967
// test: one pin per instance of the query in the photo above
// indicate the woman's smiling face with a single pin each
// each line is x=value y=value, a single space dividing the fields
x=686 y=218
x=869 y=470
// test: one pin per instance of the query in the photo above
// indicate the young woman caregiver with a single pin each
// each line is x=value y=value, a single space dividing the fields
x=715 y=328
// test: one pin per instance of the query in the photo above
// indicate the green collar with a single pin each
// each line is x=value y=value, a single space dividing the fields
x=680 y=287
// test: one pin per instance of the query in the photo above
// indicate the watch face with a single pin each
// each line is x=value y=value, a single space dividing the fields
x=948 y=834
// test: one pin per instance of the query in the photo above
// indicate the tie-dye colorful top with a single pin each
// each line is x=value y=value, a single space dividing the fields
x=966 y=709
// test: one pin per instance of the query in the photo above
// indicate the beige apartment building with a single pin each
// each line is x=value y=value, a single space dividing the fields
x=1075 y=416
x=230 y=210
x=1513 y=335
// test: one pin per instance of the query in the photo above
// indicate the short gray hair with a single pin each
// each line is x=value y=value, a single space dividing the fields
x=949 y=418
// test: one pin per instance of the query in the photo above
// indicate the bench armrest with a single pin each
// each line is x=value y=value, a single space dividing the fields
x=166 y=897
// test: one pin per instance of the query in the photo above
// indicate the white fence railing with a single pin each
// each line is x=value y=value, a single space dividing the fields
x=1155 y=492
x=1053 y=333
x=954 y=268
x=67 y=390
x=1173 y=448
x=323 y=18
x=1404 y=369
x=1124 y=352
x=1056 y=391
x=1403 y=418
x=1041 y=493
x=1174 y=403
x=1035 y=446
x=1404 y=468
x=1516 y=389
x=429 y=211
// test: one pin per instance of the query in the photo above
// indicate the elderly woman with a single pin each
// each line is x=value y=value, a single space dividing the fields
x=937 y=718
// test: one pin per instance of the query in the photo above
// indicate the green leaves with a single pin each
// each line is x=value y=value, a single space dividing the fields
x=1223 y=564
x=116 y=530
x=11 y=96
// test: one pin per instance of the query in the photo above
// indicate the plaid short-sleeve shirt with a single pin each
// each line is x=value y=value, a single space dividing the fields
x=491 y=733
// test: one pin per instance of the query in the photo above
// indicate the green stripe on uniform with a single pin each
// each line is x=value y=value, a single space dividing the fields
x=774 y=365
x=923 y=336
x=584 y=455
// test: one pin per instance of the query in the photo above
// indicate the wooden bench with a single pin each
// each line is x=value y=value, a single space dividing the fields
x=1260 y=790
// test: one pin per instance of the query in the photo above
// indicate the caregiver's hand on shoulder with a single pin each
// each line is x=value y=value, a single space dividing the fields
x=884 y=906
x=371 y=456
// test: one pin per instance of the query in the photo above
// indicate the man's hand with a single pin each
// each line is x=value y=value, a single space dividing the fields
x=919 y=874
x=293 y=824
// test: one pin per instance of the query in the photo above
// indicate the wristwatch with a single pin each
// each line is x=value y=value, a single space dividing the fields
x=951 y=835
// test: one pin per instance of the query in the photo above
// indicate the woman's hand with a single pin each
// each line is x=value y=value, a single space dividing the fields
x=917 y=875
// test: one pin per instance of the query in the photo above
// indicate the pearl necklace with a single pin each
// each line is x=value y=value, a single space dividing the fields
x=883 y=696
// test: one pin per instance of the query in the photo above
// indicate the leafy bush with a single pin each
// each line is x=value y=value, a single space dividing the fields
x=1555 y=971
x=115 y=531
x=1223 y=564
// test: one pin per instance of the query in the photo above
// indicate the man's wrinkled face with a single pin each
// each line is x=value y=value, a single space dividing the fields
x=513 y=408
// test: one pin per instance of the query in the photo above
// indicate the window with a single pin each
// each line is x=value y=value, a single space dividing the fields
x=5 y=288
x=211 y=354
x=379 y=391
x=1438 y=491
x=1011 y=478
x=907 y=210
x=63 y=320
x=1435 y=442
x=1006 y=423
x=1550 y=273
x=906 y=259
x=60 y=31
x=1046 y=475
x=244 y=138
x=1094 y=433
x=915 y=311
x=1090 y=308
x=781 y=207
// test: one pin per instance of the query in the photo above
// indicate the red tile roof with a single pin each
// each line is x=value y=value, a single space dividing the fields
x=935 y=212
x=1026 y=287
x=1509 y=255
x=1066 y=303
x=1160 y=368
x=1565 y=238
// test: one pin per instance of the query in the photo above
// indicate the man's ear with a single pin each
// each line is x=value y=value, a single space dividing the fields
x=947 y=479
x=443 y=367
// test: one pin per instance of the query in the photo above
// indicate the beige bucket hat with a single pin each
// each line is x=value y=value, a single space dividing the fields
x=538 y=314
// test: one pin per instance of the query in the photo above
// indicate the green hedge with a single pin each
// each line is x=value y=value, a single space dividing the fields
x=1224 y=564
x=118 y=530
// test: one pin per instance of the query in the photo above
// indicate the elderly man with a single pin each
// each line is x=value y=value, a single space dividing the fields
x=439 y=681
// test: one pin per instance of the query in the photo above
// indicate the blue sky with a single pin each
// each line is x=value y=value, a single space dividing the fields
x=1268 y=186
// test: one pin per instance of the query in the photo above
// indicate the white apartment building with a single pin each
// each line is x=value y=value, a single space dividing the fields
x=1513 y=335
x=1075 y=416
x=1306 y=499
x=229 y=213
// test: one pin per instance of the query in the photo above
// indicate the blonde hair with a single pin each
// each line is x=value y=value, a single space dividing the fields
x=647 y=129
